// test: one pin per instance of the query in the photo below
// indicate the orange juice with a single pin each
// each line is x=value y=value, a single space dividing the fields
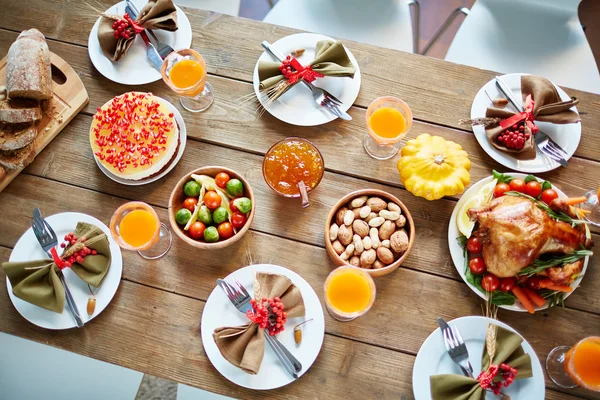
x=387 y=122
x=349 y=292
x=582 y=363
x=186 y=73
x=138 y=228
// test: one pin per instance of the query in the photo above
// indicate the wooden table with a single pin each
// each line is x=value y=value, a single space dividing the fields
x=152 y=325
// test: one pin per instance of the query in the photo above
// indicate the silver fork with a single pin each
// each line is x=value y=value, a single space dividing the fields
x=456 y=347
x=542 y=140
x=321 y=96
x=162 y=48
x=47 y=240
x=239 y=297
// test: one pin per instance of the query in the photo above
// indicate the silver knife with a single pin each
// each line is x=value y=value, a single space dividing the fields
x=279 y=57
x=151 y=52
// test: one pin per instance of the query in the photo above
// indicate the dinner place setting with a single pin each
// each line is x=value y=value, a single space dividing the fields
x=257 y=256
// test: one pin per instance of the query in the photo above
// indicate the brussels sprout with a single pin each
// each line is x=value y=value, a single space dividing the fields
x=211 y=234
x=205 y=216
x=192 y=189
x=235 y=187
x=243 y=204
x=183 y=216
x=220 y=215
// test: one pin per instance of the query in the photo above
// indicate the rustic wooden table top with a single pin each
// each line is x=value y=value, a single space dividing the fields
x=152 y=324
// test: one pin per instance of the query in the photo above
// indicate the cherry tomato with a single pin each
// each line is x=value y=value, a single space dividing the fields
x=225 y=230
x=474 y=245
x=490 y=283
x=477 y=266
x=534 y=189
x=534 y=283
x=232 y=206
x=507 y=284
x=190 y=203
x=238 y=220
x=500 y=189
x=212 y=200
x=221 y=179
x=518 y=185
x=196 y=230
x=548 y=195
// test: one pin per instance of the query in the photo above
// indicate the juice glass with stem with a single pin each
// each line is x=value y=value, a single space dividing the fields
x=136 y=226
x=293 y=167
x=349 y=293
x=184 y=71
x=388 y=121
x=591 y=206
x=579 y=365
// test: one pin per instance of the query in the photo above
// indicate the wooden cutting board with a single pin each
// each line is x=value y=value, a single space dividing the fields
x=69 y=97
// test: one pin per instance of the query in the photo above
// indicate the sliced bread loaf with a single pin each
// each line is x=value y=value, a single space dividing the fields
x=28 y=67
x=18 y=159
x=19 y=111
x=16 y=136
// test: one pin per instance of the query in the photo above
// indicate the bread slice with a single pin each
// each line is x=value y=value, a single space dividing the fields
x=19 y=111
x=28 y=67
x=17 y=159
x=16 y=136
x=2 y=173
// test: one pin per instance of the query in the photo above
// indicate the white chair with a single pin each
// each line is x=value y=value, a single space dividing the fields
x=384 y=23
x=229 y=7
x=542 y=37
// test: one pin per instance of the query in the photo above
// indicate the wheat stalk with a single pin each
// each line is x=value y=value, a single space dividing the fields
x=491 y=312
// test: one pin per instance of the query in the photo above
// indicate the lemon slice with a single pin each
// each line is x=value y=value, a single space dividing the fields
x=477 y=199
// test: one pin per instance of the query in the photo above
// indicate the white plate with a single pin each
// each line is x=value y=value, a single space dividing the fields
x=433 y=359
x=297 y=106
x=456 y=252
x=219 y=312
x=28 y=249
x=182 y=142
x=566 y=135
x=135 y=68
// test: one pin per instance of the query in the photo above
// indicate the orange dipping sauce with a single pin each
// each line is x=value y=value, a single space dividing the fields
x=582 y=363
x=291 y=161
x=186 y=73
x=138 y=228
x=387 y=122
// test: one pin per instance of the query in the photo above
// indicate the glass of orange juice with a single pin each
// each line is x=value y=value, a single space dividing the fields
x=388 y=121
x=185 y=72
x=135 y=226
x=349 y=293
x=579 y=365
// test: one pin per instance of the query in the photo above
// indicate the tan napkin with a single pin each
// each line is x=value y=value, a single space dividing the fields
x=244 y=346
x=37 y=282
x=508 y=351
x=548 y=107
x=156 y=14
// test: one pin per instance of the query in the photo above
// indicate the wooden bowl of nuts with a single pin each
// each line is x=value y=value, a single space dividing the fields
x=370 y=229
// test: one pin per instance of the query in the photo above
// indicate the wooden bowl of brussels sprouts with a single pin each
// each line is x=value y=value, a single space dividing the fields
x=211 y=207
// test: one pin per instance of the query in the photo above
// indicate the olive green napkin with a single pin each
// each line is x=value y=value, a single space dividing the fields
x=37 y=281
x=508 y=351
x=244 y=346
x=331 y=59
x=548 y=107
x=156 y=14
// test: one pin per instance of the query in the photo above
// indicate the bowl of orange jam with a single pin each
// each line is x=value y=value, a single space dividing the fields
x=291 y=161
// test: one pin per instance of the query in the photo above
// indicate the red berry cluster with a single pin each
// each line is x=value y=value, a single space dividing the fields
x=121 y=28
x=514 y=137
x=286 y=67
x=71 y=239
x=268 y=314
x=486 y=378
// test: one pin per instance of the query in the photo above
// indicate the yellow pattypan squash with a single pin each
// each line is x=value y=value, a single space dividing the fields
x=432 y=167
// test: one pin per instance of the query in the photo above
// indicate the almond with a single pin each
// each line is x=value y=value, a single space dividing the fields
x=358 y=202
x=386 y=230
x=345 y=235
x=348 y=218
x=339 y=216
x=376 y=222
x=364 y=212
x=394 y=207
x=376 y=204
x=333 y=232
x=360 y=227
x=385 y=255
x=399 y=241
x=355 y=261
x=367 y=258
x=338 y=247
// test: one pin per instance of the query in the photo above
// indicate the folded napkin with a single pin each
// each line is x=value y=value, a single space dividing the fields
x=508 y=350
x=37 y=281
x=156 y=14
x=331 y=59
x=244 y=346
x=542 y=103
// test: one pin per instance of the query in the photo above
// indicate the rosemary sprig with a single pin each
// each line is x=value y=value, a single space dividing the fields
x=540 y=265
x=559 y=216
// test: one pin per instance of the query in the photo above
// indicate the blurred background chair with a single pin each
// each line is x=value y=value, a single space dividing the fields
x=542 y=37
x=229 y=7
x=384 y=23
